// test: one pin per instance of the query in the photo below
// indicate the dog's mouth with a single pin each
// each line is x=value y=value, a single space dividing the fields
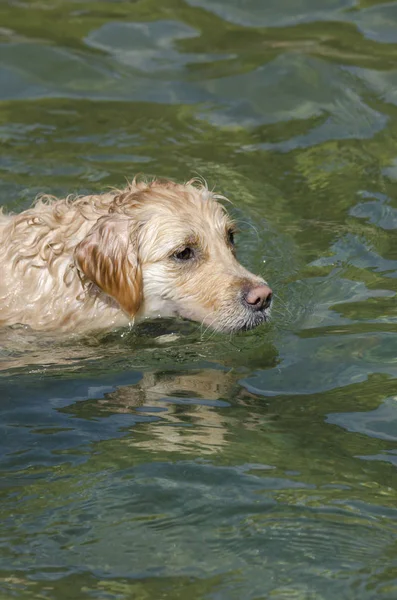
x=243 y=321
x=252 y=321
x=228 y=318
x=256 y=320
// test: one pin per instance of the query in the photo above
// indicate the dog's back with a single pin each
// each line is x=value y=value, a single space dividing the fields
x=36 y=260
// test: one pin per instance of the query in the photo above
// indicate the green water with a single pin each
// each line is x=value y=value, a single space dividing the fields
x=161 y=463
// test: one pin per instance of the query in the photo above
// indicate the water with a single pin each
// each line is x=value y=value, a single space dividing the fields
x=160 y=462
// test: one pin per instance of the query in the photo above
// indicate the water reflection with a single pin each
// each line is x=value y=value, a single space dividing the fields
x=163 y=463
x=184 y=409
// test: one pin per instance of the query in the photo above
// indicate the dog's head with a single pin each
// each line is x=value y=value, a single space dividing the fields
x=166 y=249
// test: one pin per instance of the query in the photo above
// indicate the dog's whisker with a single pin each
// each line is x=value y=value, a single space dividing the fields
x=283 y=303
x=252 y=227
x=208 y=326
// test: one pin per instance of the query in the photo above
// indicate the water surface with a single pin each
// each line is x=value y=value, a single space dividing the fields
x=165 y=462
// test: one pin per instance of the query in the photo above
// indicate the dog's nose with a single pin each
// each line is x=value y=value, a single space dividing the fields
x=259 y=297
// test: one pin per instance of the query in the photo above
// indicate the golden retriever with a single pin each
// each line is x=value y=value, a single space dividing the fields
x=152 y=249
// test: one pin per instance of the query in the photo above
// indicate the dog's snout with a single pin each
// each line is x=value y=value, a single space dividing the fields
x=259 y=297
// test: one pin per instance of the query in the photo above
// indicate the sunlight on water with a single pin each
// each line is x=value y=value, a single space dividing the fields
x=167 y=461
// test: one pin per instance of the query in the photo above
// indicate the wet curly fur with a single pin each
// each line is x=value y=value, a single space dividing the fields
x=102 y=261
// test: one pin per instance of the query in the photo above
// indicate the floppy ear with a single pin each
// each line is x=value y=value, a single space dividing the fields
x=107 y=258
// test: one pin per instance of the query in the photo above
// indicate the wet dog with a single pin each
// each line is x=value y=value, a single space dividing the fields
x=102 y=261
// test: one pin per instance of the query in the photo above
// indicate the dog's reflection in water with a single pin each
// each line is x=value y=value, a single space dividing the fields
x=191 y=410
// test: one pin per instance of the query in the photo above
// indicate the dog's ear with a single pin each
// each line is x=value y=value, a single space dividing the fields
x=106 y=256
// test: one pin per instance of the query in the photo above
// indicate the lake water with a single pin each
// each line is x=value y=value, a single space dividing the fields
x=168 y=462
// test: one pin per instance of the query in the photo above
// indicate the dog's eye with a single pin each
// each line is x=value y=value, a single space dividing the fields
x=230 y=237
x=185 y=254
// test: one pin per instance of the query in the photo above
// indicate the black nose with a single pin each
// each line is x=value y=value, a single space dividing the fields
x=259 y=297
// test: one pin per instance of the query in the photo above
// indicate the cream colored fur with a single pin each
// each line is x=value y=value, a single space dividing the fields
x=103 y=261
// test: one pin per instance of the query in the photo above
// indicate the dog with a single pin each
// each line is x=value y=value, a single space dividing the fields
x=153 y=249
